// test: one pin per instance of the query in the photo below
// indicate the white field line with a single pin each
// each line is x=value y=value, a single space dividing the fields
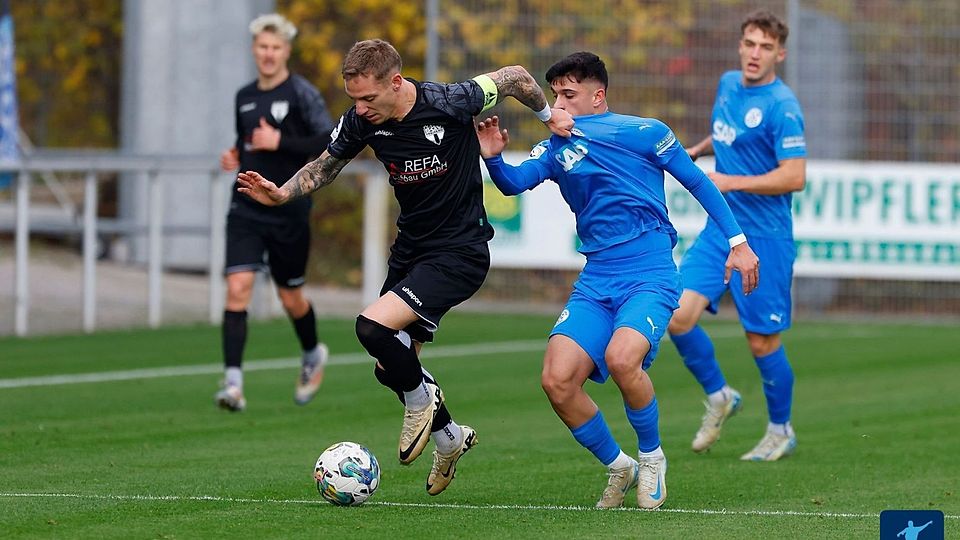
x=533 y=507
x=430 y=351
x=440 y=351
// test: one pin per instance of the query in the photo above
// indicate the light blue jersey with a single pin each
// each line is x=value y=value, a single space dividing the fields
x=754 y=128
x=610 y=172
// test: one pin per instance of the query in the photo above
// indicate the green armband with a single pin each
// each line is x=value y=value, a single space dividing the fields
x=490 y=92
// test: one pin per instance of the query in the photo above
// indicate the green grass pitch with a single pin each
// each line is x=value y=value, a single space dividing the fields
x=876 y=411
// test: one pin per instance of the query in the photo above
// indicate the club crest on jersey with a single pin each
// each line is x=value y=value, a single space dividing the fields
x=433 y=134
x=279 y=110
x=753 y=118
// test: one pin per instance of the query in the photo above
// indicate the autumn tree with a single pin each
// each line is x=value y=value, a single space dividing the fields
x=68 y=56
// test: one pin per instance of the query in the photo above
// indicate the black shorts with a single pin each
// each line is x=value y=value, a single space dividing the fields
x=432 y=283
x=285 y=243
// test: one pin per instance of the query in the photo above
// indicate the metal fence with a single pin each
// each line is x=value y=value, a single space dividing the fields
x=160 y=174
x=879 y=80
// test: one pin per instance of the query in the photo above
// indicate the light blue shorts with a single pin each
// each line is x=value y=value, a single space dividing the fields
x=639 y=292
x=767 y=309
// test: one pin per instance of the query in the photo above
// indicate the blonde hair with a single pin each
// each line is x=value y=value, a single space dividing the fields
x=276 y=23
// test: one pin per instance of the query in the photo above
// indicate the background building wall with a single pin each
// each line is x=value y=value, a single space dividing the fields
x=183 y=62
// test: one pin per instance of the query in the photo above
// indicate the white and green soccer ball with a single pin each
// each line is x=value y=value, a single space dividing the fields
x=347 y=474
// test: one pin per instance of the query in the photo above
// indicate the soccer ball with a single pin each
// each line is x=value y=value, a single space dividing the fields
x=347 y=474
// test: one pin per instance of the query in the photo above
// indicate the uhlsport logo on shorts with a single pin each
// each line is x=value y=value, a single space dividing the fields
x=564 y=315
x=911 y=525
x=412 y=296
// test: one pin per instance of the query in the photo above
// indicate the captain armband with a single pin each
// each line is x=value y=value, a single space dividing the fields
x=490 y=91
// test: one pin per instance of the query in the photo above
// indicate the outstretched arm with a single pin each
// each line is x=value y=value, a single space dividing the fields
x=313 y=176
x=516 y=81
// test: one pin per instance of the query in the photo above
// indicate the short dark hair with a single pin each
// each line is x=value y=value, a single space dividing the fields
x=371 y=57
x=769 y=23
x=579 y=66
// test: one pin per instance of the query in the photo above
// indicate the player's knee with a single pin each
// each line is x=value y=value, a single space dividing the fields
x=238 y=293
x=557 y=387
x=623 y=363
x=293 y=303
x=681 y=323
x=762 y=345
x=376 y=338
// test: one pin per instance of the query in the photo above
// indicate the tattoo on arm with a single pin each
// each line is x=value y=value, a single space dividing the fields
x=517 y=82
x=314 y=175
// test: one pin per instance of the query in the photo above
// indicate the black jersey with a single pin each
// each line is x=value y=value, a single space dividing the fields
x=297 y=109
x=433 y=159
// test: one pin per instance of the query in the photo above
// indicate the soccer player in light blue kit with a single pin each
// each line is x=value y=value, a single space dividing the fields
x=760 y=160
x=610 y=172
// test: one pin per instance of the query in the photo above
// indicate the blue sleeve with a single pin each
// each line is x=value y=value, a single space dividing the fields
x=655 y=141
x=650 y=138
x=511 y=180
x=788 y=131
x=703 y=189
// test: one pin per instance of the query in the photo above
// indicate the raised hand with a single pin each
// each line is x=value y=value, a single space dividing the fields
x=492 y=139
x=260 y=189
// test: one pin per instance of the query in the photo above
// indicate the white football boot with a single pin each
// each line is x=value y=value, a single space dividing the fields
x=620 y=481
x=445 y=465
x=772 y=447
x=652 y=485
x=713 y=420
x=416 y=426
x=311 y=375
x=230 y=397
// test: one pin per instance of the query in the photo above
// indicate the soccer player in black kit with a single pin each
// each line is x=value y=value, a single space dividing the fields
x=424 y=135
x=281 y=121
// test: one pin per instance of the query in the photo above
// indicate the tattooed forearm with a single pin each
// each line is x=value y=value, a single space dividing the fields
x=517 y=82
x=313 y=176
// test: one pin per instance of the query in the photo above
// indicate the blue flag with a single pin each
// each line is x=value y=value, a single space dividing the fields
x=8 y=94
